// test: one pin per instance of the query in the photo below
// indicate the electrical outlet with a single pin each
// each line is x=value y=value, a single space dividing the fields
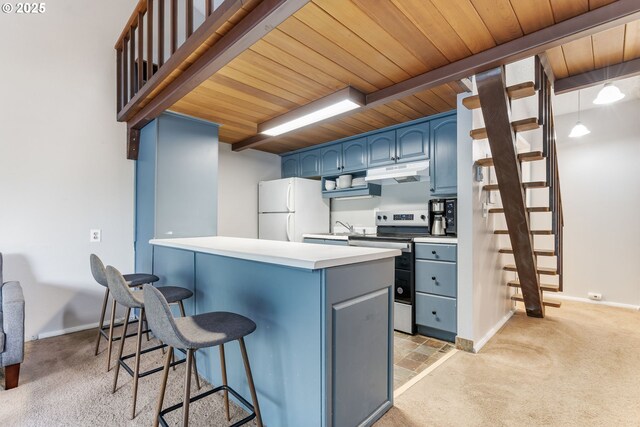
x=595 y=296
x=95 y=235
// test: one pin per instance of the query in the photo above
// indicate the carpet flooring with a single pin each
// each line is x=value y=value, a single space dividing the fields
x=63 y=384
x=580 y=366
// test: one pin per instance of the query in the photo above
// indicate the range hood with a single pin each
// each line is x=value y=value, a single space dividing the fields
x=403 y=172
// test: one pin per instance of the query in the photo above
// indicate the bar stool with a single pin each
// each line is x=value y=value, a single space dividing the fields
x=135 y=280
x=123 y=295
x=192 y=333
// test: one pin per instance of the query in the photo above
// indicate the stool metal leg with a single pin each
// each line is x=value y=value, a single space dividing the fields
x=163 y=386
x=195 y=365
x=223 y=368
x=124 y=336
x=187 y=389
x=252 y=388
x=110 y=339
x=136 y=368
x=101 y=323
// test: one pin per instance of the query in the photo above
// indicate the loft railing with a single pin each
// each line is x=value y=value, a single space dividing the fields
x=154 y=42
x=545 y=118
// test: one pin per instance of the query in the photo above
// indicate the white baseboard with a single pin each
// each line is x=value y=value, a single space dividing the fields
x=477 y=346
x=590 y=301
x=70 y=330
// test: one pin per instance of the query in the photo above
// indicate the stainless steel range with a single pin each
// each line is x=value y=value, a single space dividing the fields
x=396 y=230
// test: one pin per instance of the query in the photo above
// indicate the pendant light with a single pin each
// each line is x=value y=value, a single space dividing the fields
x=579 y=129
x=608 y=94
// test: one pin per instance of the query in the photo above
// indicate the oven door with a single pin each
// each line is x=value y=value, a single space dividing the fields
x=403 y=286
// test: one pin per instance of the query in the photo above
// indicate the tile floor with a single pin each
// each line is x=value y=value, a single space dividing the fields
x=413 y=354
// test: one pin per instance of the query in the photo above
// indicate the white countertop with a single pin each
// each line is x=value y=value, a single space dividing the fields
x=290 y=254
x=436 y=239
x=327 y=236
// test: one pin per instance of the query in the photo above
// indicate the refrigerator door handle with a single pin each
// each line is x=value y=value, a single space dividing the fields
x=289 y=227
x=289 y=197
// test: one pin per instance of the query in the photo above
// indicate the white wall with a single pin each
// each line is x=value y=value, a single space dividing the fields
x=600 y=184
x=238 y=177
x=63 y=168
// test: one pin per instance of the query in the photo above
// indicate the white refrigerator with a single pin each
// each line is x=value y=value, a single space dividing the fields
x=291 y=207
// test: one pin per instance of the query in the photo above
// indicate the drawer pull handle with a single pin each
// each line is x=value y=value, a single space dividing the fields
x=433 y=278
x=433 y=312
x=433 y=252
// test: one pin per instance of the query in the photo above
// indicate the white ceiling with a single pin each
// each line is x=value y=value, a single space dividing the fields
x=568 y=102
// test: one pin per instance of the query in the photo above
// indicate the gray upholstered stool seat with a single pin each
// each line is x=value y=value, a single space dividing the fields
x=138 y=279
x=172 y=294
x=193 y=333
x=212 y=329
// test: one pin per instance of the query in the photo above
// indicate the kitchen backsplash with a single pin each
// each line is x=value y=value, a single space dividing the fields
x=361 y=212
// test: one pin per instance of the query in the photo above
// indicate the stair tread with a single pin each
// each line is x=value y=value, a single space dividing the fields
x=540 y=252
x=523 y=157
x=549 y=302
x=535 y=232
x=522 y=125
x=541 y=270
x=518 y=91
x=544 y=286
x=531 y=209
x=529 y=184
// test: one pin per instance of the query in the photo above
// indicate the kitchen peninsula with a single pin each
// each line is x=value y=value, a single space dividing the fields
x=322 y=354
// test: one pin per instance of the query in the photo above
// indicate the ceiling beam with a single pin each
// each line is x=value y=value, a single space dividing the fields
x=597 y=20
x=596 y=77
x=267 y=15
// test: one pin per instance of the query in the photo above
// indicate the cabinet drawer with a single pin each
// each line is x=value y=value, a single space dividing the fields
x=436 y=277
x=435 y=251
x=436 y=312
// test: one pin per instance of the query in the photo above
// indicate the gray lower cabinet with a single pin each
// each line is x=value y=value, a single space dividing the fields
x=436 y=290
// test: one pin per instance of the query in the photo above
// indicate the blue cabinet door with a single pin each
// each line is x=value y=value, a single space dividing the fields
x=443 y=167
x=331 y=160
x=290 y=166
x=310 y=163
x=381 y=149
x=354 y=155
x=412 y=143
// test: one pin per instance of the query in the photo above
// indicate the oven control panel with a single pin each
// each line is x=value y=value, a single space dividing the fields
x=419 y=218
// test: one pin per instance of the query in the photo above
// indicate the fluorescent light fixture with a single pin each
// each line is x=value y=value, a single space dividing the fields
x=608 y=94
x=579 y=130
x=339 y=102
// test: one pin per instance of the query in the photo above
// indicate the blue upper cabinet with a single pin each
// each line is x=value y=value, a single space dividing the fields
x=412 y=143
x=290 y=166
x=381 y=148
x=443 y=168
x=310 y=163
x=331 y=160
x=354 y=155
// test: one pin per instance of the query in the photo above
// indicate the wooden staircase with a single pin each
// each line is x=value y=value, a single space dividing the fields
x=494 y=98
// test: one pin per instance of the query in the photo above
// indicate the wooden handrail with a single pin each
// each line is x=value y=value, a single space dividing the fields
x=141 y=7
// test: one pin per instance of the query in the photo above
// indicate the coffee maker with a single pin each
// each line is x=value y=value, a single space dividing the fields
x=442 y=217
x=437 y=217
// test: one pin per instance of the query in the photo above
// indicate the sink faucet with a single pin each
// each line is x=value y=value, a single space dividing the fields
x=347 y=226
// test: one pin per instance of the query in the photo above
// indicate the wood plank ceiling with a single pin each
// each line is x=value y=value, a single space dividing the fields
x=599 y=50
x=369 y=45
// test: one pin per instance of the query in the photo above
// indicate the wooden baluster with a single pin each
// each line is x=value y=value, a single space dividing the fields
x=160 y=33
x=119 y=73
x=208 y=7
x=132 y=65
x=140 y=50
x=189 y=17
x=125 y=71
x=174 y=25
x=149 y=39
